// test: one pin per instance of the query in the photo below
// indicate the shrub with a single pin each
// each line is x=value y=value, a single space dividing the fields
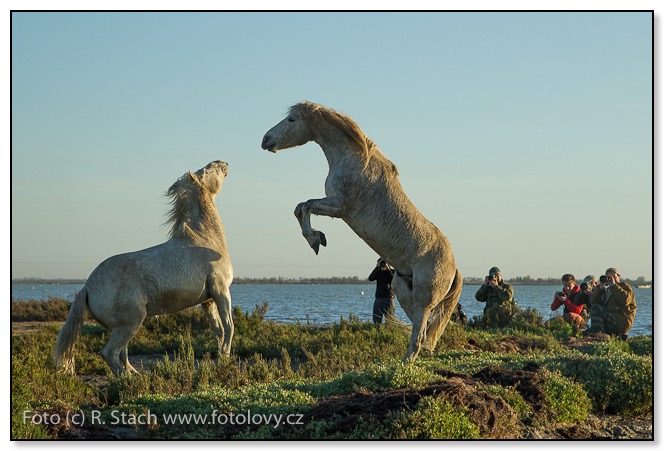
x=53 y=309
x=566 y=398
x=641 y=345
x=528 y=319
x=433 y=418
x=512 y=397
x=616 y=382
x=36 y=387
x=560 y=328
x=609 y=347
x=373 y=378
x=454 y=337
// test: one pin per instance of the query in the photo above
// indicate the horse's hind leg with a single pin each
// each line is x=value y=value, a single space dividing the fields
x=116 y=345
x=221 y=293
x=223 y=302
x=418 y=334
x=415 y=303
x=124 y=360
x=404 y=293
x=425 y=301
x=210 y=309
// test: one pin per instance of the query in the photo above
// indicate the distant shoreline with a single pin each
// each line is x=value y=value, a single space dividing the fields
x=354 y=280
x=48 y=281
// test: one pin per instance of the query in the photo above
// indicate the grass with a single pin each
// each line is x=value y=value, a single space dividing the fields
x=343 y=381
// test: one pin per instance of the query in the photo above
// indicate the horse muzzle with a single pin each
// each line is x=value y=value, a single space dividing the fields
x=268 y=144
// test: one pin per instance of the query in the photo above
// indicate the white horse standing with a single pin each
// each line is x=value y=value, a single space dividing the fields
x=363 y=189
x=192 y=267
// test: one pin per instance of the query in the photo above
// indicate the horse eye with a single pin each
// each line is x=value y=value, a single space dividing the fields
x=291 y=119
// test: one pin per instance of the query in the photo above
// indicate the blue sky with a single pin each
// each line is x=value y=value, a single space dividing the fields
x=525 y=137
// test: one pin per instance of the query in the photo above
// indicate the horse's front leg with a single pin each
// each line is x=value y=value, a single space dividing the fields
x=328 y=206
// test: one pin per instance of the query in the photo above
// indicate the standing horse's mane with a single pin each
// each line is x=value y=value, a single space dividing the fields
x=189 y=200
x=366 y=148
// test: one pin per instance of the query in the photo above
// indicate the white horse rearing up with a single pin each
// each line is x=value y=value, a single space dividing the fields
x=363 y=189
x=192 y=267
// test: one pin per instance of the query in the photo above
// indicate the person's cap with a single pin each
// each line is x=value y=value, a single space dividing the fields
x=495 y=271
x=613 y=270
x=589 y=279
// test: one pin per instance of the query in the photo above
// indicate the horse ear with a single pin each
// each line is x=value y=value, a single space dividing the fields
x=194 y=179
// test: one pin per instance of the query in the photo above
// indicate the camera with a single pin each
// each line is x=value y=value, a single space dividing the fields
x=560 y=294
x=603 y=279
x=492 y=277
x=383 y=263
x=585 y=286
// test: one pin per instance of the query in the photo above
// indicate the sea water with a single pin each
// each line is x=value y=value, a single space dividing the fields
x=326 y=304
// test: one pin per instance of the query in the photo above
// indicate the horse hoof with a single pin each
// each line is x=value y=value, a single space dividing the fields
x=409 y=358
x=316 y=240
x=426 y=352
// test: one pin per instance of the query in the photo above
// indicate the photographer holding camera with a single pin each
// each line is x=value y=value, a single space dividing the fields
x=570 y=298
x=384 y=303
x=499 y=298
x=612 y=306
x=587 y=286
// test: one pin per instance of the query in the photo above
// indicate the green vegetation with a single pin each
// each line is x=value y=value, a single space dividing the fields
x=344 y=381
x=54 y=309
x=434 y=418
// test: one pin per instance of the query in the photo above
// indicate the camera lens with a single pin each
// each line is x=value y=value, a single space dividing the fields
x=603 y=279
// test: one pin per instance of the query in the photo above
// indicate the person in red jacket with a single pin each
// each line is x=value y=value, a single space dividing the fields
x=569 y=297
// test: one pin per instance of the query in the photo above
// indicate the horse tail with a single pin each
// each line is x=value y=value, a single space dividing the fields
x=441 y=313
x=454 y=293
x=63 y=354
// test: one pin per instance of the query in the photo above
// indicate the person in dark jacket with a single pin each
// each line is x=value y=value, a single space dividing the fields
x=499 y=298
x=459 y=316
x=587 y=287
x=384 y=303
x=612 y=306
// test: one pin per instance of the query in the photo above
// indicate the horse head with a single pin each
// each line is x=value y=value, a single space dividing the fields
x=293 y=131
x=211 y=177
x=308 y=121
x=195 y=191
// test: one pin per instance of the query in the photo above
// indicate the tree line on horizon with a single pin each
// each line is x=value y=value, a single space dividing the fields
x=337 y=280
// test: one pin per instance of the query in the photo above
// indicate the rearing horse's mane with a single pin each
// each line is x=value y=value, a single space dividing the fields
x=191 y=203
x=366 y=148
